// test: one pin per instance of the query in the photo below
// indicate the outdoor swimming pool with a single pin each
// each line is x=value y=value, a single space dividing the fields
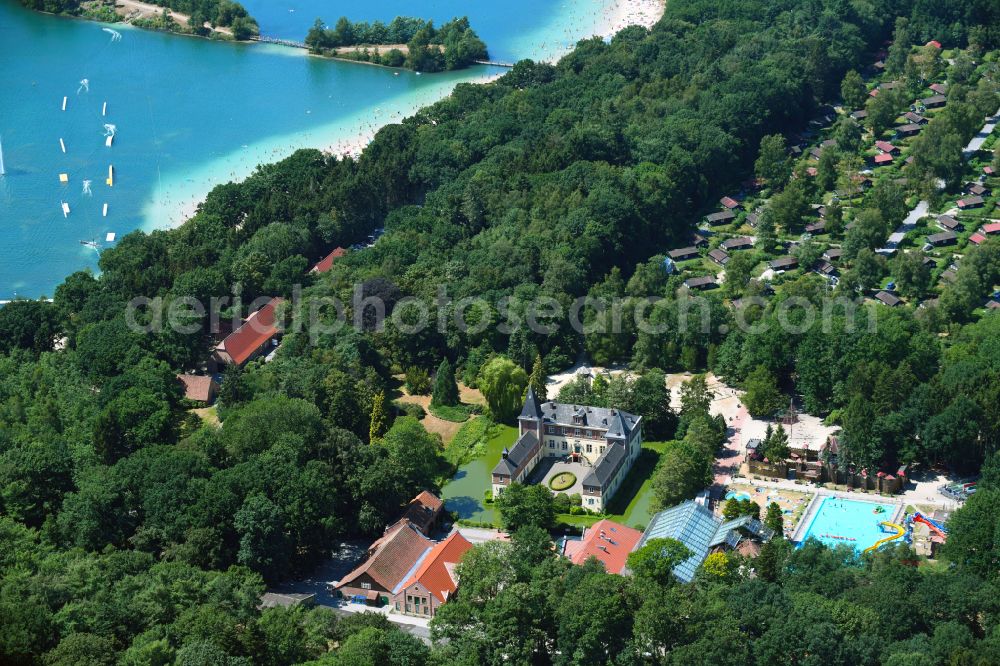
x=849 y=522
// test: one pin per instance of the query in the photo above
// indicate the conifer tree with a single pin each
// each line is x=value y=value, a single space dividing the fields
x=445 y=388
x=537 y=379
x=379 y=421
x=774 y=520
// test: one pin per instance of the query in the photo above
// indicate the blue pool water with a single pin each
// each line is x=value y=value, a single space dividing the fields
x=849 y=519
x=735 y=495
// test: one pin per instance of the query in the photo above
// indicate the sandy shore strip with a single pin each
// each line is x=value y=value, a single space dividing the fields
x=177 y=197
x=623 y=13
x=353 y=146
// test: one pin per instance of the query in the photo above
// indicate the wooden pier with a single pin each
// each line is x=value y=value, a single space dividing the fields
x=282 y=42
x=494 y=63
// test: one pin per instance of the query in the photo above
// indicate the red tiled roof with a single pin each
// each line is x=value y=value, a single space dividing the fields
x=608 y=541
x=436 y=571
x=197 y=388
x=883 y=158
x=395 y=554
x=729 y=202
x=423 y=510
x=885 y=146
x=991 y=228
x=977 y=238
x=935 y=43
x=252 y=335
x=327 y=263
x=988 y=170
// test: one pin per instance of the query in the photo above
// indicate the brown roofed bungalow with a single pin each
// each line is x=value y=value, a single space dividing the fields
x=252 y=338
x=888 y=298
x=720 y=218
x=729 y=202
x=977 y=189
x=943 y=238
x=934 y=101
x=783 y=263
x=737 y=243
x=683 y=253
x=719 y=256
x=198 y=388
x=970 y=202
x=704 y=282
x=949 y=223
x=909 y=129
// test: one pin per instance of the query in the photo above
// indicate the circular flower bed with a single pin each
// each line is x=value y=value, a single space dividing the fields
x=562 y=481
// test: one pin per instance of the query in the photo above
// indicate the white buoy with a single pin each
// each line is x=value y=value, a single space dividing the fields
x=65 y=207
x=64 y=103
x=107 y=141
x=110 y=238
x=104 y=109
x=62 y=145
x=104 y=213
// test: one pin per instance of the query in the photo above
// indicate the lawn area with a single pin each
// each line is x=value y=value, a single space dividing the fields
x=453 y=413
x=633 y=503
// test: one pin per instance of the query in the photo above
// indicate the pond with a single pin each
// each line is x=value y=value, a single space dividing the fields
x=464 y=493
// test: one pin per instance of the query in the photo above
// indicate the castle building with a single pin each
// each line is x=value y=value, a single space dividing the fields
x=607 y=440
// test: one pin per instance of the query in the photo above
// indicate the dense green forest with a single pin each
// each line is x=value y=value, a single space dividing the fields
x=134 y=532
x=454 y=45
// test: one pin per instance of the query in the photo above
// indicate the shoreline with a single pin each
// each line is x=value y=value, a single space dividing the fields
x=176 y=201
x=349 y=138
x=624 y=13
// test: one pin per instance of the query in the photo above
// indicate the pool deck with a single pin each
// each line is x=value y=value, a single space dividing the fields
x=821 y=494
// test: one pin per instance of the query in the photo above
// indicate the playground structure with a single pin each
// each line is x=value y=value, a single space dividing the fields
x=906 y=533
x=959 y=491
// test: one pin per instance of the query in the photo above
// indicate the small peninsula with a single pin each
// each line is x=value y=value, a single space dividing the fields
x=217 y=19
x=407 y=42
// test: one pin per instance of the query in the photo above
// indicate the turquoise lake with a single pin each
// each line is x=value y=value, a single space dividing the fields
x=190 y=113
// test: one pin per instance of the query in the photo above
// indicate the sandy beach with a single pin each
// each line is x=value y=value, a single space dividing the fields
x=623 y=13
x=174 y=204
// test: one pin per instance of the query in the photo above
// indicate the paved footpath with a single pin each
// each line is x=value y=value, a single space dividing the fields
x=727 y=463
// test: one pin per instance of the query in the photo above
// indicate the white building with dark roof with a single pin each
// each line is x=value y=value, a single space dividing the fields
x=608 y=441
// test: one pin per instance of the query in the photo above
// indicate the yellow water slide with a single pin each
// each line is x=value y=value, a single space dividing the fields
x=900 y=531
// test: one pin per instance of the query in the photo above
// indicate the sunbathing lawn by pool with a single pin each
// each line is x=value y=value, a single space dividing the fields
x=854 y=523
